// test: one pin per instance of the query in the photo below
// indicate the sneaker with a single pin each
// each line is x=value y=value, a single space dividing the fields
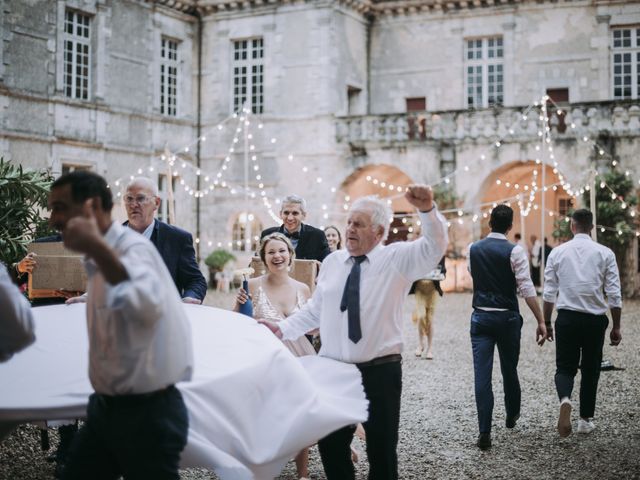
x=511 y=421
x=484 y=441
x=564 y=419
x=585 y=426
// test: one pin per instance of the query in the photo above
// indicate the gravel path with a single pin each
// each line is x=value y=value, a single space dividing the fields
x=438 y=422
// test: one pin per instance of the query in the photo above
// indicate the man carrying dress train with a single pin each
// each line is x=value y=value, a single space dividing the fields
x=358 y=306
x=139 y=341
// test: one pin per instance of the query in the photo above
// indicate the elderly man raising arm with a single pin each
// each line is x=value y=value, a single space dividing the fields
x=358 y=307
x=139 y=341
x=578 y=275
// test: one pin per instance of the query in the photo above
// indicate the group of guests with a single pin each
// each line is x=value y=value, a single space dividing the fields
x=137 y=423
x=581 y=280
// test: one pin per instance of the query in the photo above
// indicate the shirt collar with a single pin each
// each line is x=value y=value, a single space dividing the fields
x=149 y=230
x=285 y=231
x=583 y=236
x=499 y=236
x=370 y=256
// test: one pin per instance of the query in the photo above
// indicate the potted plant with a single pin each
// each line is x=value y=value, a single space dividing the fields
x=216 y=262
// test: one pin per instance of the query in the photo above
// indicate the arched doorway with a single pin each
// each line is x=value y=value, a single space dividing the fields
x=520 y=185
x=388 y=182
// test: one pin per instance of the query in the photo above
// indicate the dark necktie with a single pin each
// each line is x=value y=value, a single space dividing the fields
x=351 y=299
x=292 y=236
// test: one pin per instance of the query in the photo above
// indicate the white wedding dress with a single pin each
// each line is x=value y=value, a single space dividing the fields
x=251 y=403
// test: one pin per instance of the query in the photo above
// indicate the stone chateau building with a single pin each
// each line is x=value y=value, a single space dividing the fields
x=344 y=98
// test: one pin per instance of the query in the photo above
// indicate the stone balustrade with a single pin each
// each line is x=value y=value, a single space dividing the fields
x=616 y=118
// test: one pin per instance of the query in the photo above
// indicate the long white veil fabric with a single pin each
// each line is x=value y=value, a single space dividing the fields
x=252 y=405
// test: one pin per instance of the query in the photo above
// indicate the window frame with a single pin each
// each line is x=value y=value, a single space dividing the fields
x=239 y=232
x=75 y=41
x=165 y=107
x=485 y=57
x=633 y=50
x=248 y=69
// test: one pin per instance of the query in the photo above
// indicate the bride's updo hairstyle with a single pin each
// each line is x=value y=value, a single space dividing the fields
x=281 y=238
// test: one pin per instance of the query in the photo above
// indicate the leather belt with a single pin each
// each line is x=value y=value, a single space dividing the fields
x=394 y=357
x=133 y=399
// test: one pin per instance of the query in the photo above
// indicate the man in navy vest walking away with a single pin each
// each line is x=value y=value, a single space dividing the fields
x=500 y=271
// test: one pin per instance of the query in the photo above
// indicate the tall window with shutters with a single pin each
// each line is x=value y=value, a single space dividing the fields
x=168 y=77
x=248 y=74
x=625 y=57
x=77 y=55
x=484 y=67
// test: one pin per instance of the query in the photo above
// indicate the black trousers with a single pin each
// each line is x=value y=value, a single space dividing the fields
x=579 y=341
x=383 y=388
x=134 y=436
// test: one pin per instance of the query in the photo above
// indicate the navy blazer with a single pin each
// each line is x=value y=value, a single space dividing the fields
x=312 y=244
x=176 y=249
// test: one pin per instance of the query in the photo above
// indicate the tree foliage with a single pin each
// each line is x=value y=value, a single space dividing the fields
x=23 y=199
x=617 y=214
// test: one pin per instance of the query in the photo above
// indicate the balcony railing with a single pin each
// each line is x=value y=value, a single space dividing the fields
x=616 y=118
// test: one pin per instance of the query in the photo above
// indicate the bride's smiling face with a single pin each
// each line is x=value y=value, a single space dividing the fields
x=277 y=256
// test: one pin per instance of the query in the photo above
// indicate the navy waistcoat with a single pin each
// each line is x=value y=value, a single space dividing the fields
x=494 y=283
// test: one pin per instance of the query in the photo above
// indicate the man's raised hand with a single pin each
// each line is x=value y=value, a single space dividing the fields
x=420 y=196
x=81 y=233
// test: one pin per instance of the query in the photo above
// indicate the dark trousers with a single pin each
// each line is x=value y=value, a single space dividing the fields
x=383 y=387
x=579 y=341
x=134 y=436
x=489 y=329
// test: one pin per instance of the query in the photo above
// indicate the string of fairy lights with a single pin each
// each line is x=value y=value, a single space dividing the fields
x=177 y=163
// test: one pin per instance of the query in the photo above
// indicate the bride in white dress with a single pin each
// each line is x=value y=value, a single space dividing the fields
x=275 y=296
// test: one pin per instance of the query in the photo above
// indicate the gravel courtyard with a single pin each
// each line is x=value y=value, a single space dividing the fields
x=438 y=420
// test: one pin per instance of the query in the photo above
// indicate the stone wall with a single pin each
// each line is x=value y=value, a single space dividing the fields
x=336 y=78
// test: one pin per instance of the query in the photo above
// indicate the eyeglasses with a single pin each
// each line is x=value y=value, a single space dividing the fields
x=139 y=199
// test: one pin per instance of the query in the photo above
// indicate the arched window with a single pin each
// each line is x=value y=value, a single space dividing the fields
x=246 y=232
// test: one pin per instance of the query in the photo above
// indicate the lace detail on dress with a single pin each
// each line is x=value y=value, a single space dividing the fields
x=263 y=308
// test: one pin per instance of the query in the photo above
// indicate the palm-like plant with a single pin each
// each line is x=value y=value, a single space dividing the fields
x=23 y=198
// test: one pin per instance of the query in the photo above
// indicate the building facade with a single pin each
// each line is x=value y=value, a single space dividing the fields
x=231 y=105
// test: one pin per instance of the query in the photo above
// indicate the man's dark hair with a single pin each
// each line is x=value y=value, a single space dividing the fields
x=517 y=236
x=85 y=185
x=583 y=219
x=501 y=219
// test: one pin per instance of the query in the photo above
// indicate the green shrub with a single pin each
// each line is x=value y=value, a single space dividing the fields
x=23 y=200
x=218 y=259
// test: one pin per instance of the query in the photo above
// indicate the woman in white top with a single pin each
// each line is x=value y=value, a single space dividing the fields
x=275 y=296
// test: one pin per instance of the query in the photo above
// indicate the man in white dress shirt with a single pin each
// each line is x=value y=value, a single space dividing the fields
x=358 y=306
x=500 y=271
x=16 y=322
x=139 y=341
x=579 y=274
